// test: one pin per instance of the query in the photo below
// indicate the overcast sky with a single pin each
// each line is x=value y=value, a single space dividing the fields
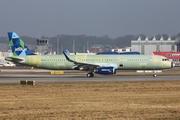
x=91 y=17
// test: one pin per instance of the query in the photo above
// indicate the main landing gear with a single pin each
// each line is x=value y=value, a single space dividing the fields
x=90 y=75
x=154 y=74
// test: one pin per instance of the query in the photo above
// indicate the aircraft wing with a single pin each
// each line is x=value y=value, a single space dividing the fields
x=85 y=65
x=80 y=63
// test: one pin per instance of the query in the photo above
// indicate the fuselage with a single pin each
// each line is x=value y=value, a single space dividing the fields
x=123 y=62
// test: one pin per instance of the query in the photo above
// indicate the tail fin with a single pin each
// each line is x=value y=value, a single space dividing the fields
x=17 y=45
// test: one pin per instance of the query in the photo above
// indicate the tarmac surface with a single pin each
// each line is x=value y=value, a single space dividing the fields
x=41 y=75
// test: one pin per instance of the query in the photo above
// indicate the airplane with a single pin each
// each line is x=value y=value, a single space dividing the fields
x=100 y=64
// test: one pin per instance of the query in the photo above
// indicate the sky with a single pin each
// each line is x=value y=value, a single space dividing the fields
x=114 y=18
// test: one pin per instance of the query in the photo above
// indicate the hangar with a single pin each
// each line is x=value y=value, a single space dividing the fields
x=148 y=46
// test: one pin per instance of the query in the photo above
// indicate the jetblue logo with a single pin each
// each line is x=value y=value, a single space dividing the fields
x=108 y=70
x=20 y=49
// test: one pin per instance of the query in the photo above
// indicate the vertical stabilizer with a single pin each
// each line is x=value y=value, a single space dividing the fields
x=17 y=45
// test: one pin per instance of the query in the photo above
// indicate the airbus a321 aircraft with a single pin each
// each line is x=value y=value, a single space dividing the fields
x=100 y=64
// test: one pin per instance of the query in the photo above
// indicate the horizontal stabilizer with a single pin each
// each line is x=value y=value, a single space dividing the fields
x=15 y=60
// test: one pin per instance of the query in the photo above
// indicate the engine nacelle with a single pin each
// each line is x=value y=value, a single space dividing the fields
x=105 y=70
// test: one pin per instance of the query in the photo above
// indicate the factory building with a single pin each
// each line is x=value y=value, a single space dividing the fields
x=148 y=46
x=178 y=42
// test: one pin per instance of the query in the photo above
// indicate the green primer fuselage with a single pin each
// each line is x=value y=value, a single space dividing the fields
x=123 y=62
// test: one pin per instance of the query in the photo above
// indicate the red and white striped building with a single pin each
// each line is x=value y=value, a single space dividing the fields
x=172 y=56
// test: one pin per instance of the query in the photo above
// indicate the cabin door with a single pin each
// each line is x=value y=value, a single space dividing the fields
x=121 y=62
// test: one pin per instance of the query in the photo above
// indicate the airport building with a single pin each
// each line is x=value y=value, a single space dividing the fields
x=42 y=46
x=148 y=46
x=96 y=48
x=178 y=42
x=165 y=47
x=127 y=49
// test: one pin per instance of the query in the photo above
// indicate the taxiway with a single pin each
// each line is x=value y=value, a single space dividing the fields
x=14 y=78
x=40 y=75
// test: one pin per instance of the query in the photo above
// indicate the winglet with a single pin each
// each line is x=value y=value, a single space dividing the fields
x=67 y=58
x=67 y=51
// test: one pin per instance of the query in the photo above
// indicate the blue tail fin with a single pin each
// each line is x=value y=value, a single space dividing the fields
x=17 y=45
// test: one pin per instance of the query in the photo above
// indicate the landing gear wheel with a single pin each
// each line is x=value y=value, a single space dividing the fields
x=90 y=75
x=154 y=73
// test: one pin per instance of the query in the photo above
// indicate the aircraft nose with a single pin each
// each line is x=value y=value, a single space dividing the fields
x=172 y=64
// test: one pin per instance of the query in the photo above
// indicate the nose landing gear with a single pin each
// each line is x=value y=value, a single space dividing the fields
x=154 y=74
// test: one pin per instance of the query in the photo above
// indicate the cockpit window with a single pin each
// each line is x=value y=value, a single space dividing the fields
x=165 y=59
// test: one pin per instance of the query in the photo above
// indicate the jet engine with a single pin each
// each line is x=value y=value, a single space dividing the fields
x=105 y=70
